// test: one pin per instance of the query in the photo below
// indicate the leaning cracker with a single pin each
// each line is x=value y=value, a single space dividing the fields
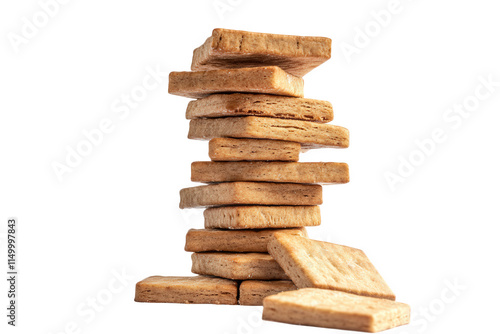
x=270 y=171
x=252 y=292
x=209 y=240
x=257 y=193
x=237 y=266
x=265 y=80
x=235 y=48
x=189 y=290
x=309 y=134
x=318 y=264
x=234 y=149
x=244 y=217
x=335 y=309
x=263 y=105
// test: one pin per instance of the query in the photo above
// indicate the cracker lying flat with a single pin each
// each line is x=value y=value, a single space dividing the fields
x=309 y=134
x=233 y=48
x=244 y=217
x=318 y=264
x=252 y=292
x=258 y=193
x=226 y=105
x=270 y=171
x=208 y=240
x=232 y=149
x=265 y=80
x=335 y=309
x=237 y=266
x=189 y=290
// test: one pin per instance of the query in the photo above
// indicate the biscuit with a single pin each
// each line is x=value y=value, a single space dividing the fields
x=209 y=240
x=245 y=217
x=234 y=48
x=189 y=290
x=237 y=266
x=257 y=193
x=252 y=292
x=263 y=80
x=233 y=149
x=226 y=105
x=318 y=264
x=335 y=309
x=270 y=171
x=309 y=134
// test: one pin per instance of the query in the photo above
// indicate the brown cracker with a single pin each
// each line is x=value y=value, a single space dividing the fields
x=318 y=264
x=235 y=48
x=189 y=290
x=233 y=149
x=237 y=266
x=258 y=193
x=206 y=240
x=244 y=217
x=309 y=134
x=266 y=80
x=335 y=309
x=252 y=292
x=270 y=171
x=228 y=105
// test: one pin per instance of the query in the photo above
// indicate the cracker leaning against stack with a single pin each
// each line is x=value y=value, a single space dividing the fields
x=258 y=198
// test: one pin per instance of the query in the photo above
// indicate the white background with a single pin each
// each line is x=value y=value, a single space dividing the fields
x=117 y=211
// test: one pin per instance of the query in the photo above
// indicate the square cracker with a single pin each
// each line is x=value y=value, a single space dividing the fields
x=335 y=309
x=258 y=193
x=210 y=240
x=237 y=266
x=235 y=48
x=253 y=292
x=270 y=171
x=243 y=217
x=318 y=264
x=262 y=80
x=227 y=105
x=309 y=134
x=189 y=290
x=234 y=149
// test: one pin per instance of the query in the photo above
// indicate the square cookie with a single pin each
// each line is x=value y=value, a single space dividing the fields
x=270 y=171
x=309 y=134
x=235 y=48
x=188 y=290
x=210 y=240
x=253 y=292
x=233 y=149
x=258 y=193
x=263 y=105
x=262 y=80
x=335 y=309
x=318 y=264
x=237 y=266
x=243 y=217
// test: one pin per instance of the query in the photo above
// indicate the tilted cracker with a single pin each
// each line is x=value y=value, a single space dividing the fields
x=318 y=264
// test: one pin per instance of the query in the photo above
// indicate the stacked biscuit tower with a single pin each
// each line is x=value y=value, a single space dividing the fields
x=254 y=249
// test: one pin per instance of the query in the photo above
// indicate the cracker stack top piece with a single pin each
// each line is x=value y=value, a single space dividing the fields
x=235 y=48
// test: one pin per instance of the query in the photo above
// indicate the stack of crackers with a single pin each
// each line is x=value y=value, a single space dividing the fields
x=258 y=199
